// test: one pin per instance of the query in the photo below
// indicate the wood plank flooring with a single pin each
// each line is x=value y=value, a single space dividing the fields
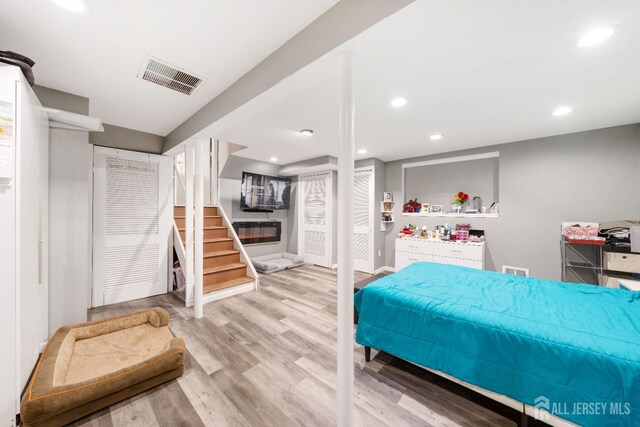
x=268 y=358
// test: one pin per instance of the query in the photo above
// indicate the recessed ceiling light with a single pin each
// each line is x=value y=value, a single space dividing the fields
x=307 y=132
x=274 y=159
x=435 y=137
x=561 y=111
x=76 y=6
x=594 y=36
x=399 y=102
x=362 y=151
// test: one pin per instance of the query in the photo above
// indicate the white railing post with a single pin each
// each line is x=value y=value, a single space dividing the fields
x=345 y=245
x=198 y=190
x=214 y=172
x=189 y=155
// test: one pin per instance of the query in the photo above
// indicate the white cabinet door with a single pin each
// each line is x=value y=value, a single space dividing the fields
x=315 y=218
x=363 y=201
x=131 y=225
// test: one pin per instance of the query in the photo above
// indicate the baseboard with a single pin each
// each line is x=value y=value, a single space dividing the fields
x=224 y=293
x=385 y=268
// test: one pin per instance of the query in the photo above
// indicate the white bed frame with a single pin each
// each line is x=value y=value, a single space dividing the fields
x=537 y=413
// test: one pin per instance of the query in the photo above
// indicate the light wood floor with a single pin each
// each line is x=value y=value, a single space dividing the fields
x=268 y=358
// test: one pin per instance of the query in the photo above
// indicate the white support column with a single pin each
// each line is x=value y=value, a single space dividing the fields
x=189 y=158
x=198 y=190
x=345 y=245
x=214 y=172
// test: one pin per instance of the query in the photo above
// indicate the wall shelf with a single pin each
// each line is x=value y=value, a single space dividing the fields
x=388 y=213
x=452 y=215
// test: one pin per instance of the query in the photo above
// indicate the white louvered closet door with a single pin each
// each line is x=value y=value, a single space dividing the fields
x=131 y=225
x=363 y=249
x=315 y=218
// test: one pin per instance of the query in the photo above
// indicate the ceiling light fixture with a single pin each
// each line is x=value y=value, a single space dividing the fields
x=362 y=151
x=75 y=6
x=399 y=102
x=435 y=137
x=307 y=132
x=562 y=111
x=274 y=159
x=594 y=36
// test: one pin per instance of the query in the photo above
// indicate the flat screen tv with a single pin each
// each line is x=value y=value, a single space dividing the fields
x=260 y=193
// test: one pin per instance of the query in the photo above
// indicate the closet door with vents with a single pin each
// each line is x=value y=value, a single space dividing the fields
x=131 y=225
x=315 y=221
x=363 y=248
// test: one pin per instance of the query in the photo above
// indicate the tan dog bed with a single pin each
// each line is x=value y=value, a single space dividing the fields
x=89 y=366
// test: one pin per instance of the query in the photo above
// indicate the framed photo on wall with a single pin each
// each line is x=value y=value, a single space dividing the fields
x=436 y=209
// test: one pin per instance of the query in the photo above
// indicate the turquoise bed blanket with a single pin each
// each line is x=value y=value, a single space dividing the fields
x=576 y=345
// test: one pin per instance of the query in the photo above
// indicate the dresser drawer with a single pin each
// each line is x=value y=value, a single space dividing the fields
x=409 y=258
x=458 y=250
x=458 y=261
x=414 y=246
x=622 y=262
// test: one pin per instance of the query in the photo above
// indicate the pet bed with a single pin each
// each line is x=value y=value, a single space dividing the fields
x=267 y=264
x=89 y=366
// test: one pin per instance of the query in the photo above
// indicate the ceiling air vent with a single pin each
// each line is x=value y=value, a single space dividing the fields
x=169 y=76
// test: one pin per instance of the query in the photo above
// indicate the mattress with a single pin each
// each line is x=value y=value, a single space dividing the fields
x=572 y=349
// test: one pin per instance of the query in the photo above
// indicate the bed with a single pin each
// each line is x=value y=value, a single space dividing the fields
x=570 y=349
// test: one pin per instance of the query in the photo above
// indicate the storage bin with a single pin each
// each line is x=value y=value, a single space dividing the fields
x=626 y=262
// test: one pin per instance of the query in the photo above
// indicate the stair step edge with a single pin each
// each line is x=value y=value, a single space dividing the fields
x=228 y=284
x=220 y=253
x=234 y=266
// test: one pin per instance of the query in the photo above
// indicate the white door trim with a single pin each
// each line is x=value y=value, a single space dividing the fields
x=369 y=266
x=130 y=241
x=326 y=260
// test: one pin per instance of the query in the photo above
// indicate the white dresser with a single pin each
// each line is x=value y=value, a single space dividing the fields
x=410 y=250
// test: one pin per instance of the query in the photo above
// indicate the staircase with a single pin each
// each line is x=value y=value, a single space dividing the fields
x=222 y=266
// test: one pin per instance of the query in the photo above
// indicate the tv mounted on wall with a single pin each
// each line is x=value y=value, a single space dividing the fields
x=263 y=193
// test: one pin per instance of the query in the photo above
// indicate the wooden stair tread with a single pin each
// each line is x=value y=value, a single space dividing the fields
x=211 y=227
x=220 y=253
x=204 y=206
x=227 y=284
x=226 y=267
x=218 y=239
x=204 y=216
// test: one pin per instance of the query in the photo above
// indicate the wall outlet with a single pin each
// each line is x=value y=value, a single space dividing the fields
x=379 y=252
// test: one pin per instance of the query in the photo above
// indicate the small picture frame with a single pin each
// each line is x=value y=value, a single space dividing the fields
x=387 y=197
x=426 y=207
x=436 y=209
x=388 y=206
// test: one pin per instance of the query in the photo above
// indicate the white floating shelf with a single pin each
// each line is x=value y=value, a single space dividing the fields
x=386 y=211
x=452 y=215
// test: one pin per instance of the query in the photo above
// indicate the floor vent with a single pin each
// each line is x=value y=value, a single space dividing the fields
x=169 y=76
x=516 y=271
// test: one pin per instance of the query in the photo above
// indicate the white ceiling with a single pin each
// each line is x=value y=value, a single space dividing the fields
x=99 y=55
x=479 y=72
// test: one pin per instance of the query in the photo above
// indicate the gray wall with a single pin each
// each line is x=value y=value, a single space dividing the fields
x=70 y=158
x=586 y=176
x=230 y=183
x=127 y=139
x=436 y=184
